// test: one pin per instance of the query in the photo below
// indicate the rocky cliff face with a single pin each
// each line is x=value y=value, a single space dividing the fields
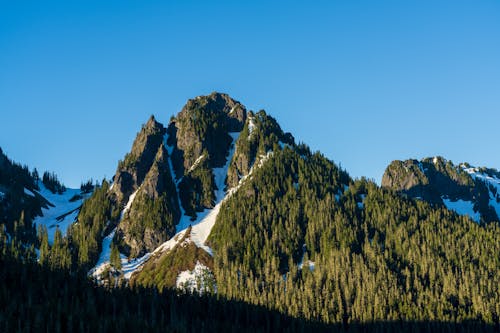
x=260 y=134
x=136 y=164
x=202 y=127
x=147 y=190
x=440 y=182
x=153 y=213
x=200 y=139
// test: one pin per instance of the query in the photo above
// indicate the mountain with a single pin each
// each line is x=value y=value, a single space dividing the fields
x=220 y=204
x=462 y=188
x=28 y=202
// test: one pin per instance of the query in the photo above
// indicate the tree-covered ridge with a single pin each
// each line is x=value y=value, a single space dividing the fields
x=377 y=256
x=436 y=179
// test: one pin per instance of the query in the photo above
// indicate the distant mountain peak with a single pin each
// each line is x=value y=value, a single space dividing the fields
x=440 y=182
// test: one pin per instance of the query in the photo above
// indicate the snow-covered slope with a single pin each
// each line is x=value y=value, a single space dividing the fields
x=463 y=207
x=62 y=211
x=492 y=181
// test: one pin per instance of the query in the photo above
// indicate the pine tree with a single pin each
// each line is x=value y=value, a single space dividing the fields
x=114 y=259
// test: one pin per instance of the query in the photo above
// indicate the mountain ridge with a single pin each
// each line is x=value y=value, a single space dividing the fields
x=222 y=202
x=439 y=181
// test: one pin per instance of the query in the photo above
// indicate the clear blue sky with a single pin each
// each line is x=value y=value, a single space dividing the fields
x=364 y=82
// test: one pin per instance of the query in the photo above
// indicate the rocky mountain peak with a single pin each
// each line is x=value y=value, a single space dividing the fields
x=132 y=170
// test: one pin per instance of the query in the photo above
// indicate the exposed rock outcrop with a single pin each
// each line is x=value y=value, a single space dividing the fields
x=436 y=179
x=153 y=213
x=136 y=164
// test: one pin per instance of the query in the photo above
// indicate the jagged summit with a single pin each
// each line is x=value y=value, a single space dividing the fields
x=152 y=123
x=134 y=167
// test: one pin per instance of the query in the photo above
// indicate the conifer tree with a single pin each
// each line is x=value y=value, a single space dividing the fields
x=114 y=259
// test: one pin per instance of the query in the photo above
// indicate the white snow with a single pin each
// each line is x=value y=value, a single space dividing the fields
x=103 y=261
x=489 y=180
x=28 y=192
x=129 y=204
x=309 y=263
x=251 y=126
x=195 y=164
x=193 y=280
x=2 y=195
x=261 y=160
x=462 y=207
x=201 y=227
x=62 y=213
x=128 y=267
x=435 y=160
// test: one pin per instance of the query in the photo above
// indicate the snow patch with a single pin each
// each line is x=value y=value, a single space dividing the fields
x=251 y=126
x=492 y=181
x=28 y=192
x=308 y=263
x=462 y=207
x=104 y=257
x=62 y=213
x=262 y=159
x=195 y=280
x=128 y=267
x=201 y=227
x=129 y=204
x=195 y=164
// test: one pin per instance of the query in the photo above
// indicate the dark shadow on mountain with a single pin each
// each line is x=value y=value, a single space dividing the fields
x=36 y=299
